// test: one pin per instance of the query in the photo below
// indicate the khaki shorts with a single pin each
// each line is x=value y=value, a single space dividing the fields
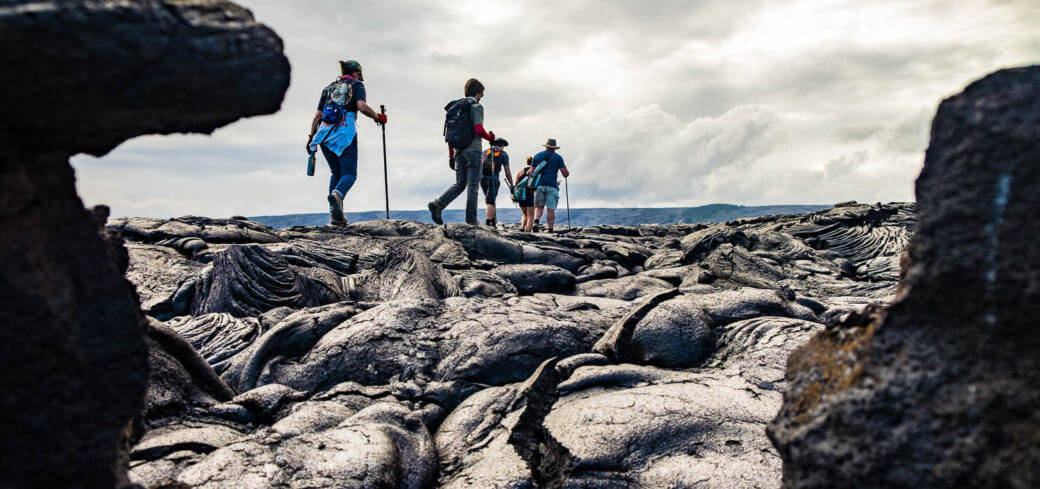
x=547 y=197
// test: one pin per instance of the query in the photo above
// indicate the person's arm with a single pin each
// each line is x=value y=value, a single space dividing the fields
x=361 y=98
x=509 y=174
x=566 y=173
x=478 y=123
x=314 y=129
x=317 y=119
x=362 y=106
x=489 y=135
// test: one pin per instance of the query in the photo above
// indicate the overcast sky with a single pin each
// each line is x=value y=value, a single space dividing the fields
x=663 y=103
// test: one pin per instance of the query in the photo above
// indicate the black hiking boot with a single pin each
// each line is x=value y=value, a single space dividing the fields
x=435 y=212
x=336 y=210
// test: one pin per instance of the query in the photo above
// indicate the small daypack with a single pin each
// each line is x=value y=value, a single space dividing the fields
x=490 y=166
x=520 y=190
x=340 y=93
x=536 y=175
x=458 y=123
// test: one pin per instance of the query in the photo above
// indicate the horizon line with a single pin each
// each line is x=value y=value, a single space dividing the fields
x=572 y=209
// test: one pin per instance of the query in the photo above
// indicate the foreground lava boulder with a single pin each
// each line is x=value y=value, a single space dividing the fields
x=941 y=389
x=83 y=77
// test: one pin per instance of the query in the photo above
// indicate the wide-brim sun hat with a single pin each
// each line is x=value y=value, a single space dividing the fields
x=500 y=142
x=551 y=144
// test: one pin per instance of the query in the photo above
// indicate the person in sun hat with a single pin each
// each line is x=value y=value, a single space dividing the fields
x=547 y=165
x=334 y=131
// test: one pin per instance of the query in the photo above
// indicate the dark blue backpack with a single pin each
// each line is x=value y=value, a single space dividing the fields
x=458 y=123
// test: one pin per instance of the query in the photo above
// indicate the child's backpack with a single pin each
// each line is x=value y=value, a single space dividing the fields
x=458 y=123
x=340 y=92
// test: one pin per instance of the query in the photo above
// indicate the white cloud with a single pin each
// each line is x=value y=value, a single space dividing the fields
x=663 y=103
x=650 y=155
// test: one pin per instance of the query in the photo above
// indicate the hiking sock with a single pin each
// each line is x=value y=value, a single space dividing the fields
x=494 y=221
x=487 y=222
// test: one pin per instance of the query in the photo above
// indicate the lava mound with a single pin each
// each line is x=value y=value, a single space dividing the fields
x=397 y=354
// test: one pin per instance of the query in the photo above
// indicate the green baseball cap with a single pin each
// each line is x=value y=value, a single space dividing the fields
x=349 y=66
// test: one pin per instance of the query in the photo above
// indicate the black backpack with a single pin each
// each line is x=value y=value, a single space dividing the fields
x=490 y=166
x=458 y=123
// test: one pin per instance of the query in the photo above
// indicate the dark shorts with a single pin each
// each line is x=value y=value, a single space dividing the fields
x=489 y=184
x=528 y=200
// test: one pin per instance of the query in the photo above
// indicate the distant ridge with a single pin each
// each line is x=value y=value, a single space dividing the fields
x=624 y=216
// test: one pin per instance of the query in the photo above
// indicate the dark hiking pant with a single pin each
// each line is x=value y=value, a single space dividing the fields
x=467 y=177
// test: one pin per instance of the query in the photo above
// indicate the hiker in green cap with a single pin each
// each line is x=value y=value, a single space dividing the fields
x=463 y=131
x=334 y=131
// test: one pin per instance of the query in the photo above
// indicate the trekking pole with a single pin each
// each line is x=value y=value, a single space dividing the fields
x=386 y=179
x=567 y=191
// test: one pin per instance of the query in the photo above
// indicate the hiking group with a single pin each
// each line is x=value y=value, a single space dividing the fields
x=535 y=188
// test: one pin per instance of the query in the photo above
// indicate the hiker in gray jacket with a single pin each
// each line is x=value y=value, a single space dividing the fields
x=463 y=130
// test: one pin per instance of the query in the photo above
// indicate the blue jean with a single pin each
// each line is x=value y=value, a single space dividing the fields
x=343 y=167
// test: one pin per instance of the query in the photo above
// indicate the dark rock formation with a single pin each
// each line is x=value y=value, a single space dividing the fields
x=70 y=325
x=325 y=446
x=135 y=67
x=200 y=372
x=529 y=279
x=247 y=281
x=616 y=343
x=455 y=331
x=941 y=389
x=404 y=273
x=217 y=337
x=190 y=235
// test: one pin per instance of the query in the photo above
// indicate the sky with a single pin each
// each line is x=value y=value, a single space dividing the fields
x=655 y=104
